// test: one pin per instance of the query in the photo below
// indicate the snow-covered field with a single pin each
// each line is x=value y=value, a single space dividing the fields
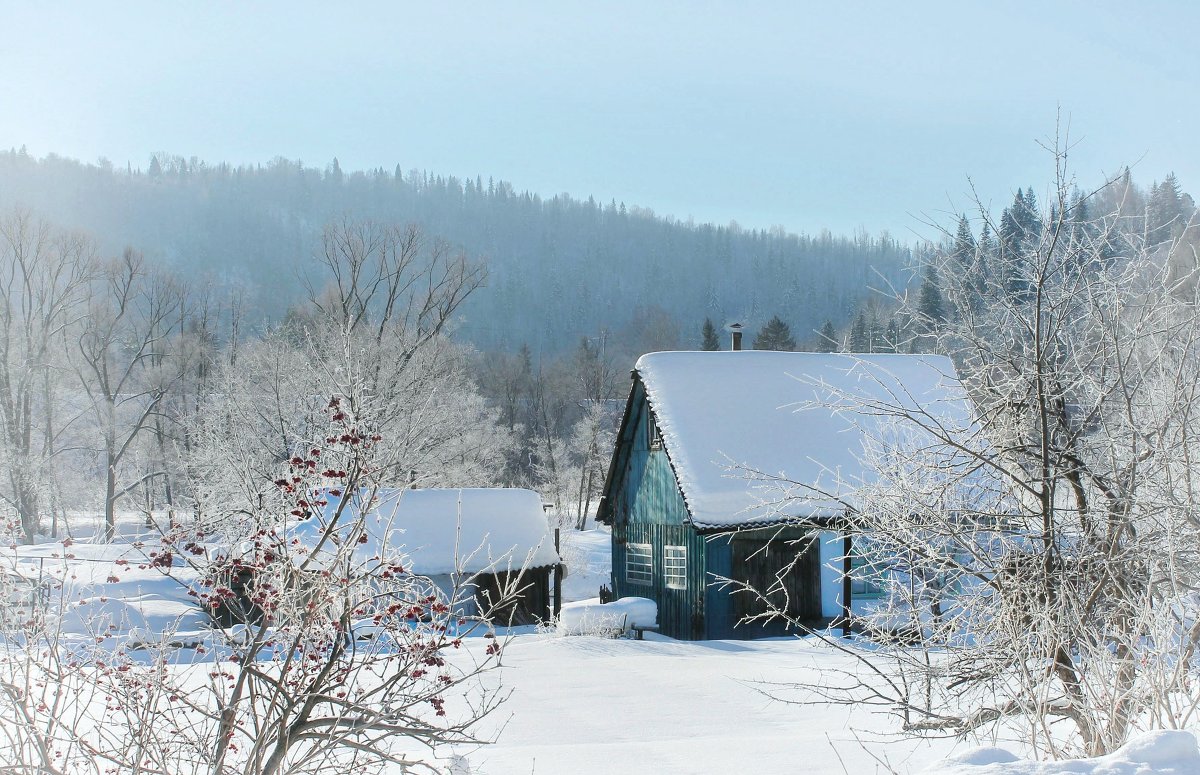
x=588 y=704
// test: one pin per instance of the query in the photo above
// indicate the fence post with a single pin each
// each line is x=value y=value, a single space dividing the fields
x=558 y=570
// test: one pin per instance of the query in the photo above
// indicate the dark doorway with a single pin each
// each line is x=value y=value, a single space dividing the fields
x=786 y=572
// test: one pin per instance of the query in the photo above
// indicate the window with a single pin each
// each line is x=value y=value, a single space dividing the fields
x=866 y=580
x=653 y=439
x=675 y=566
x=639 y=564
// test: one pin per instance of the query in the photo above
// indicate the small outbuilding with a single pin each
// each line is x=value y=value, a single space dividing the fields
x=712 y=452
x=473 y=540
x=478 y=538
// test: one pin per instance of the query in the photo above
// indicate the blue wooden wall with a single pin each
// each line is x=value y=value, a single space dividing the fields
x=648 y=508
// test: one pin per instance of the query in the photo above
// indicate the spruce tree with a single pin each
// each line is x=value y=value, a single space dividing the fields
x=1164 y=210
x=985 y=254
x=709 y=340
x=860 y=338
x=1010 y=235
x=1020 y=229
x=876 y=331
x=827 y=338
x=964 y=243
x=987 y=244
x=930 y=304
x=775 y=335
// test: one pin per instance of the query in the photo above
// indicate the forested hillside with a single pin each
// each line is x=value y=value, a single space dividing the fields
x=559 y=269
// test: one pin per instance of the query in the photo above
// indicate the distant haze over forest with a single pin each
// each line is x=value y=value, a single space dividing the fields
x=559 y=268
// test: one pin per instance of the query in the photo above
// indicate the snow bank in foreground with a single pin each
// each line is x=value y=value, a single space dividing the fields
x=1156 y=753
x=592 y=616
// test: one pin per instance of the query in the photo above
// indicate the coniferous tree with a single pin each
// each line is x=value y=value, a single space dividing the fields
x=985 y=252
x=967 y=251
x=1165 y=209
x=1031 y=219
x=876 y=331
x=964 y=242
x=1020 y=225
x=892 y=337
x=1010 y=234
x=860 y=337
x=709 y=340
x=931 y=311
x=987 y=243
x=775 y=335
x=930 y=304
x=827 y=338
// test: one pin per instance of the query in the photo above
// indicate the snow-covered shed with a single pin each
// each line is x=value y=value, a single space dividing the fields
x=477 y=539
x=726 y=463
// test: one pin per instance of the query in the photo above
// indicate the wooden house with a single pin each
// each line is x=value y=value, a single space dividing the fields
x=735 y=465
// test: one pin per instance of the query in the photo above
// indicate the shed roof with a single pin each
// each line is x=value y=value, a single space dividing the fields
x=467 y=530
x=805 y=417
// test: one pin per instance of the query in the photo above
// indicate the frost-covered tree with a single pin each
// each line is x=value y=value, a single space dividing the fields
x=374 y=328
x=44 y=274
x=326 y=658
x=322 y=657
x=1041 y=559
x=119 y=362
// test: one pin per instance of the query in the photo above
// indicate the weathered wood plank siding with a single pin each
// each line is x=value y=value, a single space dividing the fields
x=721 y=607
x=649 y=510
x=718 y=605
x=680 y=611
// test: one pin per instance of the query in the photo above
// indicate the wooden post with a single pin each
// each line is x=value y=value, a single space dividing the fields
x=558 y=569
x=847 y=566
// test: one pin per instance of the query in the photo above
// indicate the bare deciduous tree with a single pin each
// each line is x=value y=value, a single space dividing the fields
x=118 y=360
x=325 y=660
x=43 y=275
x=1040 y=561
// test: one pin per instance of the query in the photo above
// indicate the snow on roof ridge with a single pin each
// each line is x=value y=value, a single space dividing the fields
x=457 y=529
x=732 y=422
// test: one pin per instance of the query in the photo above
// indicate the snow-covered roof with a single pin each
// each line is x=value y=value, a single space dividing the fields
x=802 y=416
x=469 y=530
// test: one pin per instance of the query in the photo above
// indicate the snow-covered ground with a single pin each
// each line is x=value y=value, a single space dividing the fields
x=1155 y=753
x=593 y=705
x=588 y=704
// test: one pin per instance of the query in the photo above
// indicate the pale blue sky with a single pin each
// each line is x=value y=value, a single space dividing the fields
x=809 y=115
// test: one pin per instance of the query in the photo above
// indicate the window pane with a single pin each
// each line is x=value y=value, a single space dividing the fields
x=639 y=564
x=653 y=439
x=675 y=566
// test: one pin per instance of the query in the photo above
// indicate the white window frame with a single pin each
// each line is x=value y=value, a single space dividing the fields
x=675 y=566
x=653 y=437
x=639 y=564
x=866 y=578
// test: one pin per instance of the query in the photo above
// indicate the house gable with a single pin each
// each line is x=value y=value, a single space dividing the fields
x=641 y=486
x=655 y=553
